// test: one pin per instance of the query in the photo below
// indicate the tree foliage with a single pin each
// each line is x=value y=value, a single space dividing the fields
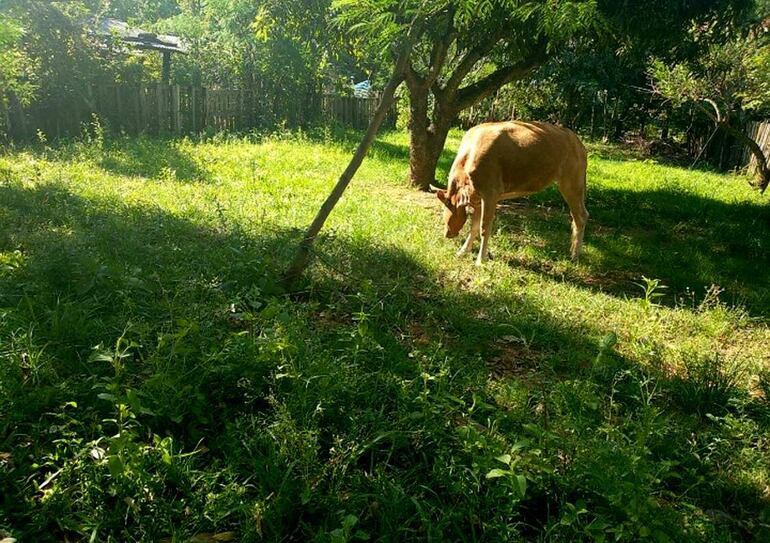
x=16 y=73
x=733 y=76
x=729 y=83
x=469 y=50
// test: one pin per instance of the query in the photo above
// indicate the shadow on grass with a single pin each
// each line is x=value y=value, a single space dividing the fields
x=154 y=158
x=686 y=241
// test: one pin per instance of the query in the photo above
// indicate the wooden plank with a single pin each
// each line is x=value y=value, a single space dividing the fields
x=119 y=114
x=759 y=132
x=168 y=109
x=202 y=111
x=176 y=114
x=6 y=120
x=240 y=105
x=142 y=109
x=194 y=106
x=161 y=109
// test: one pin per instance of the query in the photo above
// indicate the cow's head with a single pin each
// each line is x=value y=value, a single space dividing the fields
x=455 y=214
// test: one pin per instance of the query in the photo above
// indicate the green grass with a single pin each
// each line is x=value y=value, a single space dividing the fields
x=155 y=383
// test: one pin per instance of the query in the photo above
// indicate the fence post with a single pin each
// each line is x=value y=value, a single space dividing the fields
x=241 y=110
x=159 y=95
x=176 y=118
x=142 y=124
x=205 y=109
x=6 y=119
x=194 y=108
x=135 y=91
x=118 y=108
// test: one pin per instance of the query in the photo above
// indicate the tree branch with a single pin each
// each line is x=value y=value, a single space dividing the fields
x=414 y=80
x=718 y=114
x=479 y=90
x=438 y=55
x=302 y=257
x=469 y=61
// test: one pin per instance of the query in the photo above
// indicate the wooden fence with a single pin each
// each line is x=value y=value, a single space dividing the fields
x=352 y=111
x=759 y=132
x=174 y=110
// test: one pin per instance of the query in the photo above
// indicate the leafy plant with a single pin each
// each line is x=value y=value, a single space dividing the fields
x=708 y=385
x=652 y=289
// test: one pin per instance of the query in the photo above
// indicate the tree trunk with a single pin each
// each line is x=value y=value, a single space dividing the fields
x=664 y=129
x=428 y=131
x=302 y=257
x=419 y=137
x=424 y=154
x=426 y=138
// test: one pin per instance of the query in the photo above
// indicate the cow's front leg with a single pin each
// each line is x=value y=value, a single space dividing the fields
x=488 y=208
x=474 y=233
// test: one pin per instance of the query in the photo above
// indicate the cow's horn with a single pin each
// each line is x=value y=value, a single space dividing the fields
x=434 y=188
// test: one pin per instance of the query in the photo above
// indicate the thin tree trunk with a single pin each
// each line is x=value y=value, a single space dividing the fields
x=664 y=129
x=302 y=257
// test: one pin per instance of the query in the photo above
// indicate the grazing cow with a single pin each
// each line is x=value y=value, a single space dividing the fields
x=507 y=160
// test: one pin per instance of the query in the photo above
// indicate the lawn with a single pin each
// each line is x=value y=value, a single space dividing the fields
x=156 y=384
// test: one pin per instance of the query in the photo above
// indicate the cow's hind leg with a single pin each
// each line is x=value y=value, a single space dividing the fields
x=488 y=208
x=574 y=194
x=475 y=227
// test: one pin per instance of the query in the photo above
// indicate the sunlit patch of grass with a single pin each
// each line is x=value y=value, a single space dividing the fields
x=155 y=381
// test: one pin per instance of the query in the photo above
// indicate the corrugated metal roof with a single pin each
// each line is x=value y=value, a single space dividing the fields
x=138 y=37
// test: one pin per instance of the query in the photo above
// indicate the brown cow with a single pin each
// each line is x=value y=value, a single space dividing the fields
x=507 y=160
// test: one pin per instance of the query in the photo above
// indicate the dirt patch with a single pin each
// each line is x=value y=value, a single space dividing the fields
x=515 y=360
x=416 y=335
x=403 y=194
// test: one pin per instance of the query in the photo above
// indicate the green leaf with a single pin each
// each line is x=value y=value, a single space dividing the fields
x=520 y=445
x=306 y=495
x=349 y=521
x=520 y=484
x=115 y=465
x=495 y=473
x=133 y=400
x=505 y=459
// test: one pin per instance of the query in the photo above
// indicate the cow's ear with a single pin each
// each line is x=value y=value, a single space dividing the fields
x=442 y=195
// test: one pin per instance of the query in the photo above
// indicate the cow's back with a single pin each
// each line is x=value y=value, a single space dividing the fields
x=516 y=158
